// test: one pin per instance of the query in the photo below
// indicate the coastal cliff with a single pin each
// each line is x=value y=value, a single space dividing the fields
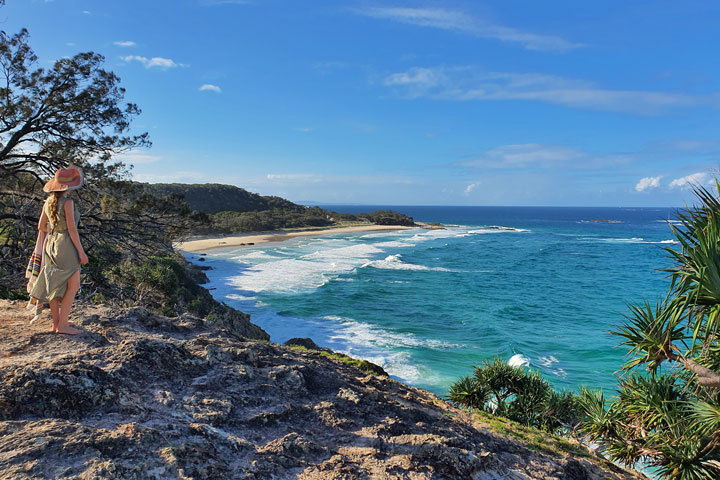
x=140 y=395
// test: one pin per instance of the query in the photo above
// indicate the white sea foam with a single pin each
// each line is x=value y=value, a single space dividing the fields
x=636 y=240
x=240 y=298
x=394 y=243
x=496 y=229
x=394 y=262
x=258 y=254
x=305 y=273
x=433 y=234
x=369 y=335
x=547 y=361
x=519 y=360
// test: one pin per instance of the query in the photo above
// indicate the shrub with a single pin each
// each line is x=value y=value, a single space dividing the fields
x=511 y=392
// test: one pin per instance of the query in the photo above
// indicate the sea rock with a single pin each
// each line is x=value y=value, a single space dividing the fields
x=142 y=396
x=306 y=343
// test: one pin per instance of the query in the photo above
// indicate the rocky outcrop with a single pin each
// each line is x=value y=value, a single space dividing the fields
x=144 y=396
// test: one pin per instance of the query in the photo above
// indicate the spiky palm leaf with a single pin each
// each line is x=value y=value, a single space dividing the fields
x=651 y=332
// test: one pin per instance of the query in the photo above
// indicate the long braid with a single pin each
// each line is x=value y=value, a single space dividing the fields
x=53 y=212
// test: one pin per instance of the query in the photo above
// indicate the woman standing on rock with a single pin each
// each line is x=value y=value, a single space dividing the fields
x=59 y=278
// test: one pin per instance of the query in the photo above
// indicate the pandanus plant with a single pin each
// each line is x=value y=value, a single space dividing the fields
x=667 y=411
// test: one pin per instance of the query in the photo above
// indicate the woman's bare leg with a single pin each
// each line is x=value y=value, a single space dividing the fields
x=55 y=313
x=73 y=286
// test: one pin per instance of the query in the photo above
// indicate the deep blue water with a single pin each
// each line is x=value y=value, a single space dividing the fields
x=429 y=305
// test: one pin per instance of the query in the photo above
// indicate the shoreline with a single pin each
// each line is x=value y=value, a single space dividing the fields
x=248 y=239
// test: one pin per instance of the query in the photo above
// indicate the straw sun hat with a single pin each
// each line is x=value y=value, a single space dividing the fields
x=70 y=178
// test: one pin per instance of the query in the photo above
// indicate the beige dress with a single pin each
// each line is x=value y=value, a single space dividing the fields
x=61 y=258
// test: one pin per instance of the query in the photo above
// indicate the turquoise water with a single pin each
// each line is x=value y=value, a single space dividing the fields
x=428 y=305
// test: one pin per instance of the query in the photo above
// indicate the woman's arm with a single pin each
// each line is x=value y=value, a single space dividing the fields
x=72 y=230
x=42 y=223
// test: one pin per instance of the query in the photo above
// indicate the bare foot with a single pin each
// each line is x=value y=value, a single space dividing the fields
x=68 y=330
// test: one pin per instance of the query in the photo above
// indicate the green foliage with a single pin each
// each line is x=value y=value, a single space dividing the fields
x=214 y=198
x=163 y=284
x=266 y=220
x=521 y=396
x=231 y=209
x=535 y=439
x=378 y=217
x=363 y=365
x=9 y=294
x=667 y=411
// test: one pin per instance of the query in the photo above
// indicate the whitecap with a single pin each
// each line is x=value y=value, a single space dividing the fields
x=394 y=262
x=240 y=298
x=496 y=229
x=547 y=361
x=394 y=243
x=258 y=254
x=369 y=335
x=519 y=360
x=637 y=240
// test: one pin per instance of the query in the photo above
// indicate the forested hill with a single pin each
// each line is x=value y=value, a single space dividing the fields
x=231 y=209
x=215 y=197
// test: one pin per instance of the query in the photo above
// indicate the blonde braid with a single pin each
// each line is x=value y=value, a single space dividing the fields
x=53 y=212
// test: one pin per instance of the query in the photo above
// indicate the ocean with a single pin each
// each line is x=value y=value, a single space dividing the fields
x=428 y=305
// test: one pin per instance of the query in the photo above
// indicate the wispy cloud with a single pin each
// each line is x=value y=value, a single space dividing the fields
x=461 y=22
x=647 y=183
x=125 y=43
x=207 y=87
x=315 y=178
x=304 y=129
x=468 y=84
x=87 y=12
x=135 y=158
x=154 y=62
x=470 y=188
x=537 y=156
x=689 y=181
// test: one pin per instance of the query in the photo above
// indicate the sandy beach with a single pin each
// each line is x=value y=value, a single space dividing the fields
x=208 y=243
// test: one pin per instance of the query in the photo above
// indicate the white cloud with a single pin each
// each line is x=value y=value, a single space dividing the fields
x=690 y=181
x=647 y=183
x=526 y=155
x=70 y=44
x=468 y=83
x=207 y=87
x=470 y=188
x=423 y=77
x=461 y=22
x=305 y=178
x=304 y=129
x=295 y=177
x=86 y=12
x=135 y=158
x=179 y=177
x=125 y=43
x=154 y=62
x=537 y=156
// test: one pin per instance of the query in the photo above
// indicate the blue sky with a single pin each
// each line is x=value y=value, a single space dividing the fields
x=410 y=102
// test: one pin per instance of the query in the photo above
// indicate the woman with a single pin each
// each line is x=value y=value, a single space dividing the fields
x=59 y=278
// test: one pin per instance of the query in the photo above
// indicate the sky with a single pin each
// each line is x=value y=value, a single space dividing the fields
x=559 y=103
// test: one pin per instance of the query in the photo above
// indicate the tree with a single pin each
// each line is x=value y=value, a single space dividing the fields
x=69 y=113
x=72 y=113
x=667 y=412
